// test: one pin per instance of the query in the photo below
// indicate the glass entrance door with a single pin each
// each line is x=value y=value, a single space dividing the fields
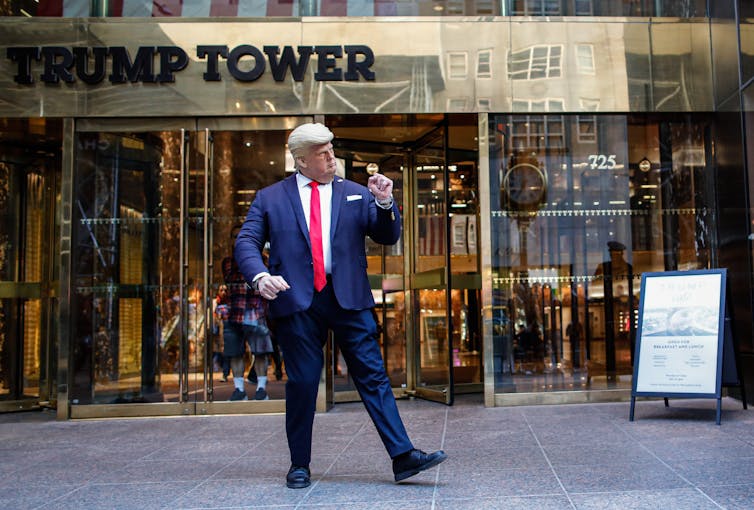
x=426 y=286
x=428 y=280
x=29 y=178
x=157 y=205
x=136 y=300
x=409 y=279
x=244 y=156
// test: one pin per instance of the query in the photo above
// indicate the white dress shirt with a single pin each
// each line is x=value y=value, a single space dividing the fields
x=325 y=208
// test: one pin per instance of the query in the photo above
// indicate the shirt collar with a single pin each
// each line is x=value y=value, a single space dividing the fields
x=303 y=181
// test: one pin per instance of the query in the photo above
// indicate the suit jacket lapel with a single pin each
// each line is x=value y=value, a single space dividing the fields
x=338 y=188
x=291 y=189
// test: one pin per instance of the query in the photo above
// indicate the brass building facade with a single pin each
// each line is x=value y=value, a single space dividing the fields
x=545 y=155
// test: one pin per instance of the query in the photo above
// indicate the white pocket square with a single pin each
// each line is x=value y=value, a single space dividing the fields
x=351 y=198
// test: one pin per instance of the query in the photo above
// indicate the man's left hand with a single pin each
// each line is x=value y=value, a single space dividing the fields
x=381 y=187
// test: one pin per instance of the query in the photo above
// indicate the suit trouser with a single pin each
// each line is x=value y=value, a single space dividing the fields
x=302 y=336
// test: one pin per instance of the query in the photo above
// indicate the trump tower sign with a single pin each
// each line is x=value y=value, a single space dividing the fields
x=245 y=63
x=92 y=67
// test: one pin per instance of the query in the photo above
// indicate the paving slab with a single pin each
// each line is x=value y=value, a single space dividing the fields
x=540 y=457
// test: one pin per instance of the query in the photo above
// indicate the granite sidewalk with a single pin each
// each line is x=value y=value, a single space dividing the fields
x=541 y=457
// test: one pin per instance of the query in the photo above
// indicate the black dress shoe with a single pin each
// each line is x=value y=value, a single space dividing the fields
x=298 y=478
x=414 y=462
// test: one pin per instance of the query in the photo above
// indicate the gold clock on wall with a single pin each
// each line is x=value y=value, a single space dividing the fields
x=525 y=185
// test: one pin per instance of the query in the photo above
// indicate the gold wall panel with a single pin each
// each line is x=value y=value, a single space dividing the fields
x=746 y=30
x=422 y=65
x=724 y=34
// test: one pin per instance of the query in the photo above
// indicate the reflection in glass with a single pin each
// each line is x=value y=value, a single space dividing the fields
x=466 y=337
x=243 y=162
x=463 y=211
x=679 y=8
x=130 y=342
x=359 y=164
x=583 y=206
x=746 y=31
x=394 y=337
x=431 y=214
x=366 y=143
x=29 y=170
x=433 y=337
x=174 y=8
x=413 y=147
x=127 y=338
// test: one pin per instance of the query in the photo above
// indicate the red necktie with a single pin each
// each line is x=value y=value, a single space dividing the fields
x=315 y=236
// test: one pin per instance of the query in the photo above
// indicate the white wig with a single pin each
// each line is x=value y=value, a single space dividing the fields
x=306 y=135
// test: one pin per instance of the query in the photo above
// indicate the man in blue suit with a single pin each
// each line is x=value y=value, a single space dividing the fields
x=316 y=224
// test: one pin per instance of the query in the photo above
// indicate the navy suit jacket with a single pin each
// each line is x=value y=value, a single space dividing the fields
x=277 y=216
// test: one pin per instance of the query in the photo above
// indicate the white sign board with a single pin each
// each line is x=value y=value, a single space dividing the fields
x=680 y=334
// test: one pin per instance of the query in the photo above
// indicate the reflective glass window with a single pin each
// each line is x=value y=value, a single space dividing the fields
x=581 y=207
x=249 y=8
x=156 y=289
x=30 y=167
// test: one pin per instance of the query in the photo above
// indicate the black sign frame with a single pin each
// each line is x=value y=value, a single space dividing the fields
x=725 y=347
